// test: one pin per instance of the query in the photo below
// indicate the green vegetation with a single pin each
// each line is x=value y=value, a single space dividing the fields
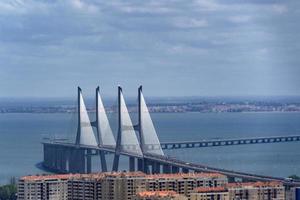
x=294 y=177
x=8 y=192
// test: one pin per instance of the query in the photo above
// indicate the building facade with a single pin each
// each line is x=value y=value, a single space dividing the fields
x=43 y=187
x=140 y=186
x=242 y=191
x=112 y=186
x=184 y=183
x=256 y=190
x=210 y=193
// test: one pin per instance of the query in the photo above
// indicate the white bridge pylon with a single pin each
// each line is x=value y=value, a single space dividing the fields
x=148 y=136
x=127 y=141
x=105 y=134
x=85 y=134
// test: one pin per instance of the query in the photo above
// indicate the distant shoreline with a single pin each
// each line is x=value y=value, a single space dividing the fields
x=209 y=106
x=246 y=112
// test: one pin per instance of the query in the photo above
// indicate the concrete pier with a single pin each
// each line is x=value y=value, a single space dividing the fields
x=156 y=168
x=175 y=169
x=88 y=161
x=131 y=164
x=185 y=170
x=166 y=169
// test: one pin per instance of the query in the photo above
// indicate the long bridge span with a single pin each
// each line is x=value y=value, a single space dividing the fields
x=148 y=163
x=229 y=142
x=137 y=142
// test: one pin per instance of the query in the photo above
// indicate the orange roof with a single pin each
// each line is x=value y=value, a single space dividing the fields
x=47 y=177
x=157 y=194
x=121 y=174
x=255 y=184
x=75 y=176
x=186 y=175
x=125 y=174
x=210 y=189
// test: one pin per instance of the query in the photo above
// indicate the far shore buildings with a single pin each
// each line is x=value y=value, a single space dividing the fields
x=140 y=186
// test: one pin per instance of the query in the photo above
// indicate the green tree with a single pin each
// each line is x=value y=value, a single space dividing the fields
x=8 y=192
x=294 y=177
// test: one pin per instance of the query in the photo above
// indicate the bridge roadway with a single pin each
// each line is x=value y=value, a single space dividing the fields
x=229 y=173
x=229 y=142
x=170 y=164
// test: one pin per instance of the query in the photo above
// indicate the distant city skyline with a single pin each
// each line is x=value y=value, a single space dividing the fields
x=173 y=48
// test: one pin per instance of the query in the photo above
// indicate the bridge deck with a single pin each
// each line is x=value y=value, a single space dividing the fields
x=229 y=142
x=165 y=160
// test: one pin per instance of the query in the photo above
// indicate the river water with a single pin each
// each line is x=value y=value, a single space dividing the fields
x=21 y=135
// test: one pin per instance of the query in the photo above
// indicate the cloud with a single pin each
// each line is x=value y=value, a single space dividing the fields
x=190 y=23
x=84 y=6
x=110 y=40
x=208 y=5
x=279 y=8
x=240 y=18
x=16 y=7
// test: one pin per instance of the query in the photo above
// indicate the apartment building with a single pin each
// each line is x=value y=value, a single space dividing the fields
x=210 y=193
x=112 y=186
x=184 y=183
x=43 y=187
x=256 y=191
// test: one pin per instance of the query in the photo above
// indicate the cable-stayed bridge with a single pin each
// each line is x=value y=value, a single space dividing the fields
x=139 y=142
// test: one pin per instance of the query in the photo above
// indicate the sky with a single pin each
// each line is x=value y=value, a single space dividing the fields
x=172 y=48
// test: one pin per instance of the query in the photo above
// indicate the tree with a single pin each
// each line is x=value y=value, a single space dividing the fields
x=294 y=177
x=8 y=192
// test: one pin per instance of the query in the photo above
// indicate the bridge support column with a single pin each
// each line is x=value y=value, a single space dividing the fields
x=166 y=169
x=116 y=162
x=230 y=179
x=52 y=157
x=146 y=169
x=46 y=161
x=103 y=161
x=55 y=154
x=72 y=167
x=156 y=168
x=185 y=170
x=175 y=169
x=140 y=164
x=64 y=159
x=59 y=152
x=67 y=160
x=131 y=164
x=119 y=135
x=61 y=159
x=88 y=161
x=81 y=161
x=77 y=161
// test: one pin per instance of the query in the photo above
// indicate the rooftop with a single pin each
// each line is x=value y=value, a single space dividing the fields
x=47 y=177
x=81 y=176
x=255 y=184
x=186 y=175
x=119 y=174
x=157 y=194
x=210 y=189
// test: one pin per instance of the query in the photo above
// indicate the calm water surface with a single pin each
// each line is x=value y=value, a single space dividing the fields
x=21 y=134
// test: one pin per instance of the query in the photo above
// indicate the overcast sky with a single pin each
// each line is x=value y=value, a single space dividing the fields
x=172 y=48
